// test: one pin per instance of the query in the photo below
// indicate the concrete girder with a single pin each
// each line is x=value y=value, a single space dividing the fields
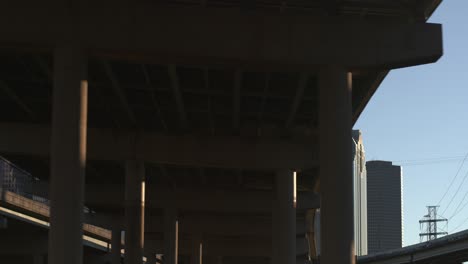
x=237 y=99
x=120 y=93
x=172 y=70
x=159 y=34
x=228 y=246
x=246 y=247
x=226 y=201
x=6 y=89
x=178 y=150
x=211 y=224
x=302 y=83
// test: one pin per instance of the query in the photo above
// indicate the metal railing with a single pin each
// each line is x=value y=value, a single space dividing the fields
x=17 y=201
x=16 y=191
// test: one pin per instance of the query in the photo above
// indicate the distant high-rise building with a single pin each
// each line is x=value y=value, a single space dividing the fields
x=360 y=194
x=385 y=206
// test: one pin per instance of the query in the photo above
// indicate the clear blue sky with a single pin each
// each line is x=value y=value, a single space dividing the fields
x=419 y=115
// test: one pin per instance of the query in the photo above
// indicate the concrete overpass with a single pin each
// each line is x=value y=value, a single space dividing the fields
x=452 y=249
x=213 y=111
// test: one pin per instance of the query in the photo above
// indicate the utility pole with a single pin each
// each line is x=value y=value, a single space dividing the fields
x=428 y=225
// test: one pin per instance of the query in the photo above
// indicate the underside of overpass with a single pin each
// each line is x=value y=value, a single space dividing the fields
x=192 y=125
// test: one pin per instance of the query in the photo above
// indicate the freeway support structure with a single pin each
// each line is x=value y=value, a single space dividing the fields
x=336 y=178
x=68 y=155
x=134 y=212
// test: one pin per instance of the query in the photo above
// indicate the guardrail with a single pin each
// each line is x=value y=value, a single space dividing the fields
x=25 y=203
x=30 y=206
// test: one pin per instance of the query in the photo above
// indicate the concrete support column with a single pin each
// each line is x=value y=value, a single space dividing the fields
x=336 y=176
x=197 y=250
x=68 y=156
x=116 y=245
x=310 y=233
x=171 y=236
x=134 y=211
x=284 y=219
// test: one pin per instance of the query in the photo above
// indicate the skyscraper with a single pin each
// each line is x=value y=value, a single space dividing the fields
x=385 y=206
x=360 y=194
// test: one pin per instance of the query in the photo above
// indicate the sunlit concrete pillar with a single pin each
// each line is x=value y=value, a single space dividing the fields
x=284 y=219
x=171 y=235
x=134 y=211
x=68 y=155
x=197 y=249
x=116 y=245
x=336 y=178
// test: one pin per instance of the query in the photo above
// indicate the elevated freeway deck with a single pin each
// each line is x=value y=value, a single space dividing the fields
x=451 y=249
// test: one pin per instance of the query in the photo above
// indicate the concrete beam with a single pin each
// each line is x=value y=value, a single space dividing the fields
x=119 y=92
x=226 y=201
x=5 y=88
x=211 y=224
x=247 y=246
x=302 y=83
x=227 y=246
x=152 y=32
x=186 y=200
x=172 y=70
x=223 y=152
x=236 y=99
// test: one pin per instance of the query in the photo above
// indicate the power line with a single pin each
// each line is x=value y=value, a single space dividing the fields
x=464 y=221
x=416 y=162
x=461 y=209
x=426 y=162
x=455 y=194
x=430 y=159
x=451 y=183
x=459 y=204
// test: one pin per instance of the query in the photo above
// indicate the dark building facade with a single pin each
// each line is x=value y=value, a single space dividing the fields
x=385 y=206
